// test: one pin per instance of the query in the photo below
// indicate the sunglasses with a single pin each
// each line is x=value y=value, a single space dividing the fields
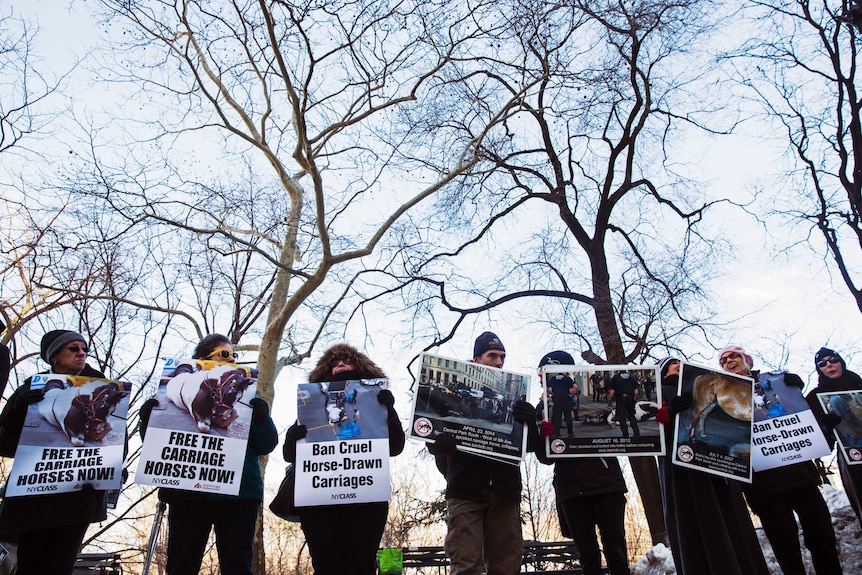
x=223 y=353
x=728 y=357
x=78 y=348
x=832 y=360
x=343 y=359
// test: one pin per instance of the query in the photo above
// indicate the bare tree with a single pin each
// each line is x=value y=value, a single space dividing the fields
x=802 y=69
x=578 y=201
x=309 y=109
x=22 y=85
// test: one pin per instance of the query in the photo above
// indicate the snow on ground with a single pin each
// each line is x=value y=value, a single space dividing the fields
x=659 y=561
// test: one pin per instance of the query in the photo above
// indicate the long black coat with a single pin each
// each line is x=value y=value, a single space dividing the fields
x=708 y=524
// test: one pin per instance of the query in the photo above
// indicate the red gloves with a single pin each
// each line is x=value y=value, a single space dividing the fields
x=546 y=428
x=662 y=416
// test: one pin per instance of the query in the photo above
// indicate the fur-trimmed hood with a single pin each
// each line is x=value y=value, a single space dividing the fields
x=365 y=368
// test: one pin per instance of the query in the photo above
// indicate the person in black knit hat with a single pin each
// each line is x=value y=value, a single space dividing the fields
x=49 y=528
x=483 y=496
x=560 y=386
x=590 y=493
x=833 y=375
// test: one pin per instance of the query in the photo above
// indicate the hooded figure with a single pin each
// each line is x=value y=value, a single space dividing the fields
x=362 y=523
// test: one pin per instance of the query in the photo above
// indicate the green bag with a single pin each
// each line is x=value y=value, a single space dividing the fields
x=389 y=561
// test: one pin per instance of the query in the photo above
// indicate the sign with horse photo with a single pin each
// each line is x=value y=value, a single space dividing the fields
x=197 y=435
x=75 y=436
x=714 y=434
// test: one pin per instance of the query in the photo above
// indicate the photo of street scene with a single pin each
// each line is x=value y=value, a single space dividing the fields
x=595 y=410
x=472 y=401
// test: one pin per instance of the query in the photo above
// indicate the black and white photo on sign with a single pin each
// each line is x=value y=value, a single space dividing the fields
x=714 y=434
x=344 y=457
x=197 y=434
x=473 y=402
x=74 y=436
x=601 y=410
x=848 y=433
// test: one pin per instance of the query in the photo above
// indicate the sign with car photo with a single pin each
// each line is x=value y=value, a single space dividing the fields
x=472 y=402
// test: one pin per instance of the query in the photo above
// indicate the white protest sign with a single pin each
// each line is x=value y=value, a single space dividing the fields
x=197 y=435
x=74 y=436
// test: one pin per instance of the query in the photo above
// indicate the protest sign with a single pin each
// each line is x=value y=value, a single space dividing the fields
x=473 y=402
x=714 y=434
x=344 y=457
x=197 y=435
x=622 y=425
x=785 y=430
x=74 y=436
x=848 y=406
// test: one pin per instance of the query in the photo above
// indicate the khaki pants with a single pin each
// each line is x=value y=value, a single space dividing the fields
x=484 y=534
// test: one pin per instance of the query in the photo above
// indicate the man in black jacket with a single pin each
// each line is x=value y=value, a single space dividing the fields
x=481 y=492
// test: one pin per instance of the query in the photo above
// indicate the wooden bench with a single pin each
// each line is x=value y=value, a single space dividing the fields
x=97 y=564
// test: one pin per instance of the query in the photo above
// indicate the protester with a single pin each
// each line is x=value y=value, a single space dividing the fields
x=775 y=494
x=833 y=376
x=623 y=391
x=590 y=493
x=193 y=514
x=49 y=528
x=343 y=538
x=708 y=525
x=483 y=496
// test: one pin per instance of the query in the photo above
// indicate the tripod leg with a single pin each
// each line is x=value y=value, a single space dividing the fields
x=154 y=537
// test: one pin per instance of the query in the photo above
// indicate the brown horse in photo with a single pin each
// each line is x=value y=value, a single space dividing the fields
x=713 y=390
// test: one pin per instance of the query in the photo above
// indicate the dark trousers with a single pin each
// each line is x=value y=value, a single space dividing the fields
x=608 y=512
x=779 y=524
x=189 y=526
x=561 y=409
x=50 y=551
x=343 y=539
x=626 y=413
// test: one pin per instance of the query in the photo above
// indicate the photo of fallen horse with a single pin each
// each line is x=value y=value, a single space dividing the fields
x=74 y=436
x=714 y=433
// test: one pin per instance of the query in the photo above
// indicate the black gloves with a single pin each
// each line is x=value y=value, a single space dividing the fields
x=23 y=401
x=125 y=475
x=523 y=412
x=830 y=420
x=794 y=380
x=145 y=412
x=385 y=397
x=444 y=445
x=678 y=404
x=259 y=410
x=295 y=432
